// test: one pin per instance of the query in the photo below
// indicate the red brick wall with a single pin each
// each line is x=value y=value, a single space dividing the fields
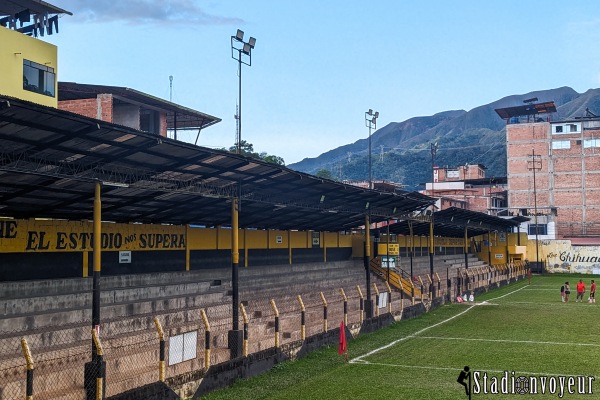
x=98 y=108
x=563 y=175
x=163 y=124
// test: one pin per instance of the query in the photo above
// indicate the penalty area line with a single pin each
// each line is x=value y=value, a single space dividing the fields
x=509 y=341
x=496 y=371
x=393 y=343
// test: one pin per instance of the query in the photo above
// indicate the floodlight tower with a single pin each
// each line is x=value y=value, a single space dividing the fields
x=371 y=123
x=241 y=52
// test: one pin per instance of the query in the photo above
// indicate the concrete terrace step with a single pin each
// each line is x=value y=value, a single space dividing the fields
x=36 y=304
x=47 y=320
x=82 y=285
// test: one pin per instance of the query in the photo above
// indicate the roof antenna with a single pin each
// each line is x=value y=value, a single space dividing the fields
x=589 y=114
x=171 y=88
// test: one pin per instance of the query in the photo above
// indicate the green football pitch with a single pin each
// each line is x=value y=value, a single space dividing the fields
x=520 y=338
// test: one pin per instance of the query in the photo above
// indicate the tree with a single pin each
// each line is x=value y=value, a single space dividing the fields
x=324 y=173
x=272 y=159
x=247 y=149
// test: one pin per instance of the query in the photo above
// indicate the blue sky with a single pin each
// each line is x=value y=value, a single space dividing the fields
x=319 y=65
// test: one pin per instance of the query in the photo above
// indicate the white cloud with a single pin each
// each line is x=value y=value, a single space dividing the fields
x=145 y=12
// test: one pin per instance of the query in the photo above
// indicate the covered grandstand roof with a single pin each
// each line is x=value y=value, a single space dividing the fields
x=451 y=222
x=50 y=161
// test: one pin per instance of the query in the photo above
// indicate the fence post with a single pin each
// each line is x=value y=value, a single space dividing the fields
x=101 y=371
x=362 y=303
x=376 y=305
x=421 y=281
x=302 y=318
x=324 y=312
x=389 y=293
x=438 y=285
x=276 y=312
x=245 y=337
x=345 y=306
x=161 y=351
x=448 y=285
x=206 y=339
x=430 y=286
x=29 y=361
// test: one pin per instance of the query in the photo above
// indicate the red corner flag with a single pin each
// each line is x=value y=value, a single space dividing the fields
x=342 y=349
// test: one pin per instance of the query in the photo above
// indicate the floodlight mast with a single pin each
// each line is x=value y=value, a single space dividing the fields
x=241 y=52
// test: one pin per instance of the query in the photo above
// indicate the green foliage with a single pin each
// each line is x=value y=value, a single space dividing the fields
x=324 y=173
x=522 y=328
x=247 y=149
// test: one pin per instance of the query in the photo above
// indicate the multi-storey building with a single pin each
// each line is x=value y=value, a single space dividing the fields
x=554 y=174
x=29 y=71
x=28 y=65
x=468 y=188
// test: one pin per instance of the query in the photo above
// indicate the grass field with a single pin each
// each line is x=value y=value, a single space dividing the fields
x=523 y=328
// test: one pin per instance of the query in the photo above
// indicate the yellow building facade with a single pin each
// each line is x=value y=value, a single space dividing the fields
x=28 y=68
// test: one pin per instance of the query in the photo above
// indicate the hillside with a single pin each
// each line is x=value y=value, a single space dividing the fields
x=475 y=136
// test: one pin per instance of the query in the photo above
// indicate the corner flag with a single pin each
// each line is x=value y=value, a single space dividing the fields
x=342 y=349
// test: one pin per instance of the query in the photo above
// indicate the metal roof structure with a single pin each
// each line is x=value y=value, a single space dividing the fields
x=51 y=160
x=13 y=7
x=452 y=221
x=528 y=109
x=178 y=117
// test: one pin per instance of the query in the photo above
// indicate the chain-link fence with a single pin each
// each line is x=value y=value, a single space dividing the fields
x=76 y=362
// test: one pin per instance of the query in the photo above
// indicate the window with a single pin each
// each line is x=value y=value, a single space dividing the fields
x=38 y=78
x=591 y=143
x=182 y=347
x=566 y=128
x=561 y=144
x=541 y=229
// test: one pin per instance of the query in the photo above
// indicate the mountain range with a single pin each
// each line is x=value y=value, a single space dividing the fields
x=401 y=151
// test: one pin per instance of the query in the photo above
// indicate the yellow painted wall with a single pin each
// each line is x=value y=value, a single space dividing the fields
x=16 y=47
x=274 y=236
x=203 y=238
x=19 y=236
x=498 y=255
x=299 y=240
x=331 y=239
x=358 y=246
x=562 y=257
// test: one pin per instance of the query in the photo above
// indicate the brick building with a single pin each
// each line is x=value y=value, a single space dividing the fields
x=554 y=168
x=131 y=108
x=468 y=188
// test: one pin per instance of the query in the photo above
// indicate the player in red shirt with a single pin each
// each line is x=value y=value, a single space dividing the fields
x=580 y=291
x=593 y=292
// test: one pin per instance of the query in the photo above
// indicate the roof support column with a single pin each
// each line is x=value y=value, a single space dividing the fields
x=431 y=252
x=235 y=334
x=466 y=248
x=411 y=249
x=96 y=369
x=97 y=260
x=367 y=259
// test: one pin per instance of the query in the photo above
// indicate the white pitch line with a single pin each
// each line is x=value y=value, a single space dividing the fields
x=360 y=358
x=509 y=341
x=517 y=373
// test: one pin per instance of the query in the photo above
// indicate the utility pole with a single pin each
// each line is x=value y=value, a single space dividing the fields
x=535 y=164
